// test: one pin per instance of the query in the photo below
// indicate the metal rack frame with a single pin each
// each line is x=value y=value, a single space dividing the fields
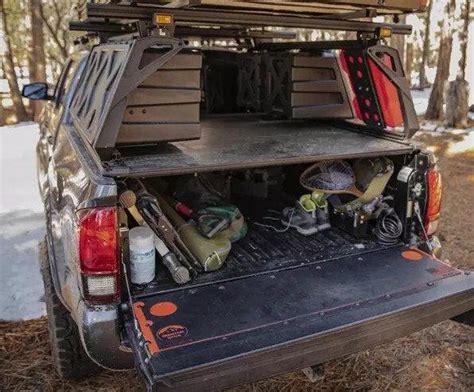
x=189 y=17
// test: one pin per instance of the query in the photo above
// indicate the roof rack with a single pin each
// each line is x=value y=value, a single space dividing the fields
x=234 y=18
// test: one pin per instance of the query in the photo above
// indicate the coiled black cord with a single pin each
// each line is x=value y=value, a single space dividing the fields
x=388 y=228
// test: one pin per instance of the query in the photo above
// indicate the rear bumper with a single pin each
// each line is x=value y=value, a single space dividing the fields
x=99 y=328
x=433 y=307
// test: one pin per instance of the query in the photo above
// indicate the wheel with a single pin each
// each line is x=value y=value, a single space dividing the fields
x=69 y=357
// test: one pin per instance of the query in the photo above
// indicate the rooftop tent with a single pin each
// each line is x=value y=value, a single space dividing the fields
x=321 y=6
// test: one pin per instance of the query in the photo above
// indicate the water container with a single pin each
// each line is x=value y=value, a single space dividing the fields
x=142 y=255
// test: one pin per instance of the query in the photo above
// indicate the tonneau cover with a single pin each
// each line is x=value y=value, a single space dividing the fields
x=230 y=143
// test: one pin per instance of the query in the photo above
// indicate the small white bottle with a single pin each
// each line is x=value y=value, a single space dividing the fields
x=142 y=255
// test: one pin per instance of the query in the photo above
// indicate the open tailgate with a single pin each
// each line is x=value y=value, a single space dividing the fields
x=218 y=335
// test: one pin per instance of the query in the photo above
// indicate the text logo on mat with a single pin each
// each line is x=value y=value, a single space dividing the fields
x=172 y=332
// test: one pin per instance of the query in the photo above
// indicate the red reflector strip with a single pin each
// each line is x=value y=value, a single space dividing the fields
x=387 y=94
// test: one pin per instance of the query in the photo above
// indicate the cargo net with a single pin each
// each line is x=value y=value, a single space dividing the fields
x=329 y=175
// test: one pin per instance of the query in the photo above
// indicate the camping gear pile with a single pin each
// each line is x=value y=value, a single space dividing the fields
x=194 y=223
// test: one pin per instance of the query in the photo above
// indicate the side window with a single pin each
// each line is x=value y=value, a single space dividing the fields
x=67 y=85
x=61 y=92
x=64 y=80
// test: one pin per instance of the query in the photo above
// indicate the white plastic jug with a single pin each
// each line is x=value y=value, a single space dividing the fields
x=142 y=255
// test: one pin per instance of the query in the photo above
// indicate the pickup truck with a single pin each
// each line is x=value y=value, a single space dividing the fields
x=174 y=101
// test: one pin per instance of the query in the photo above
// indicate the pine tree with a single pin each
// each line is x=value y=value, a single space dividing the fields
x=457 y=102
x=9 y=68
x=436 y=101
x=464 y=36
x=426 y=47
x=409 y=58
x=2 y=113
x=37 y=55
x=398 y=40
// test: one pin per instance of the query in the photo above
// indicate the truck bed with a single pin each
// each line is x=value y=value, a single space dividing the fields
x=238 y=142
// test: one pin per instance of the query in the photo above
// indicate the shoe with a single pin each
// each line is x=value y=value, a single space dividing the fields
x=302 y=217
x=322 y=210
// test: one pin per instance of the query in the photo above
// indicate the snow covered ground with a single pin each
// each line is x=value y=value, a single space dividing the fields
x=420 y=99
x=22 y=225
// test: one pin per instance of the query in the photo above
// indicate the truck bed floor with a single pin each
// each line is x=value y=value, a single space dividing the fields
x=265 y=251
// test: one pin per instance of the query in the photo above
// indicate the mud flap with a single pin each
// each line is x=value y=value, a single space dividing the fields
x=219 y=335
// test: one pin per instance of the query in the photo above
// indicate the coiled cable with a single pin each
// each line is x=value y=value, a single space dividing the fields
x=388 y=228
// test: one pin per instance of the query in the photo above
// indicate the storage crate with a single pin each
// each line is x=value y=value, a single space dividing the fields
x=232 y=82
x=300 y=86
x=165 y=107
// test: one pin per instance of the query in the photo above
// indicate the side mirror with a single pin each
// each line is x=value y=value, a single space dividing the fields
x=37 y=92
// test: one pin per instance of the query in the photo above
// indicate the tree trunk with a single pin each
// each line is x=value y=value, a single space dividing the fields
x=9 y=69
x=436 y=101
x=409 y=58
x=398 y=41
x=457 y=102
x=37 y=58
x=463 y=38
x=2 y=113
x=426 y=47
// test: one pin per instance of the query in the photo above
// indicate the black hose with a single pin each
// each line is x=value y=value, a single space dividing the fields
x=388 y=228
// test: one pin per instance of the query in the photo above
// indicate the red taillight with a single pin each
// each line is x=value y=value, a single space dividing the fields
x=433 y=206
x=98 y=253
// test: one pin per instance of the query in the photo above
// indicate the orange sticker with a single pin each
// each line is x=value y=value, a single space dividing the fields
x=412 y=255
x=163 y=309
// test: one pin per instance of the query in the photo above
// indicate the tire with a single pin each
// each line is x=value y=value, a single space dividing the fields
x=69 y=357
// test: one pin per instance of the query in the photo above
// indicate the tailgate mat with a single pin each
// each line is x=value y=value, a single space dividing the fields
x=191 y=327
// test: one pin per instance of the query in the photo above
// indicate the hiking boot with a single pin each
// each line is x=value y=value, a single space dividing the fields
x=322 y=210
x=302 y=217
x=322 y=216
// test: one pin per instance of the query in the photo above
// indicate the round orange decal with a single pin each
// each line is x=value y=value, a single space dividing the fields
x=163 y=309
x=412 y=255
